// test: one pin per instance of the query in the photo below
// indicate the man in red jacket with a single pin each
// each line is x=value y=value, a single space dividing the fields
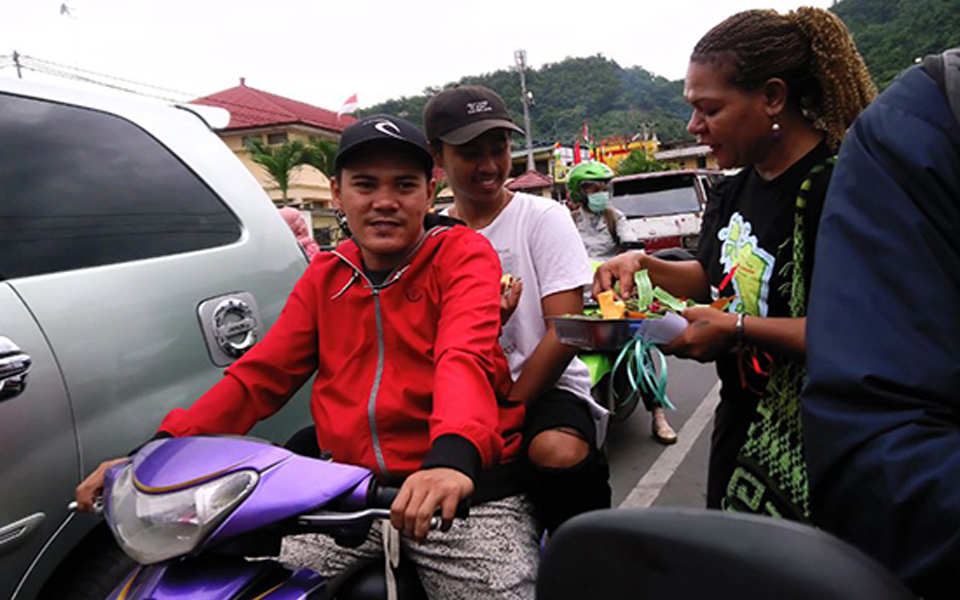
x=400 y=325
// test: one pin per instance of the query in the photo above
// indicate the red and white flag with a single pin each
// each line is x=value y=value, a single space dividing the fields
x=350 y=106
x=586 y=133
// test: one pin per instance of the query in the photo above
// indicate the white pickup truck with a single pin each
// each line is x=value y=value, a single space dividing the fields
x=665 y=208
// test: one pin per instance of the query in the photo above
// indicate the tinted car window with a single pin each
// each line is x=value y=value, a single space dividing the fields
x=81 y=188
x=657 y=203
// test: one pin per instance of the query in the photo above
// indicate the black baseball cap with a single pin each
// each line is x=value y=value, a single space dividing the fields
x=460 y=114
x=384 y=130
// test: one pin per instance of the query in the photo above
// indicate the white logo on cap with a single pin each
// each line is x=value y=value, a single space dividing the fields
x=387 y=127
x=478 y=107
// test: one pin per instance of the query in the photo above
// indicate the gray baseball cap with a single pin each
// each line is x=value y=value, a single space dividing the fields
x=460 y=114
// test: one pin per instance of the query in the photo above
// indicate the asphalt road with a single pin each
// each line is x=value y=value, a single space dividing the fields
x=645 y=473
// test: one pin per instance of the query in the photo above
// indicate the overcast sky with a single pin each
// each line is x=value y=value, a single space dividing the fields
x=321 y=52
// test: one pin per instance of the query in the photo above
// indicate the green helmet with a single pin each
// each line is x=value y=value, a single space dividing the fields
x=586 y=171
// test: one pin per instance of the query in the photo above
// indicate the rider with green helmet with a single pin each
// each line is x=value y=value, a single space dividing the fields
x=602 y=227
x=603 y=230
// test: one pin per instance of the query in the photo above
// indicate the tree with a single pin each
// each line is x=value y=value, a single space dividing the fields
x=320 y=154
x=572 y=92
x=638 y=162
x=278 y=161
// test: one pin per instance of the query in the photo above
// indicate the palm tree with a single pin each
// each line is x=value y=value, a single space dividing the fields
x=278 y=161
x=320 y=155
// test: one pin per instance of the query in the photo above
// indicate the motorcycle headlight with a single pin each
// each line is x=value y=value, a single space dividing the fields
x=154 y=527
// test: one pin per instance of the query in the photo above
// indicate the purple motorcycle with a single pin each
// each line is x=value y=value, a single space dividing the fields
x=192 y=511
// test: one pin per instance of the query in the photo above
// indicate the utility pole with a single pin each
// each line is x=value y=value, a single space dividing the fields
x=16 y=62
x=527 y=98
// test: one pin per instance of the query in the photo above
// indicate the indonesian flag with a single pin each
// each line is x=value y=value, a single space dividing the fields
x=350 y=106
x=586 y=133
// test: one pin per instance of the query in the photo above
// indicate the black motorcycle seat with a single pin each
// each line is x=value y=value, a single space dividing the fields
x=696 y=553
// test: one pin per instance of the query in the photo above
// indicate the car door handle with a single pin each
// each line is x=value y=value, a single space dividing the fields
x=14 y=366
x=14 y=534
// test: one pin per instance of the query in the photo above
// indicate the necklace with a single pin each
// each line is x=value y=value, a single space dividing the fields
x=477 y=226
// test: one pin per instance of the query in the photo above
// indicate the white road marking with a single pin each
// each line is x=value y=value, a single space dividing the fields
x=652 y=483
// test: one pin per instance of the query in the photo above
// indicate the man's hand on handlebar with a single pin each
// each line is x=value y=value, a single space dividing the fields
x=422 y=494
x=91 y=488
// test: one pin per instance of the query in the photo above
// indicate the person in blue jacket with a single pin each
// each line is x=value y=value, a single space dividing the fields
x=881 y=410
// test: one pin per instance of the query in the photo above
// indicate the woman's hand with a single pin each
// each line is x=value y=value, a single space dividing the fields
x=91 y=488
x=709 y=334
x=619 y=268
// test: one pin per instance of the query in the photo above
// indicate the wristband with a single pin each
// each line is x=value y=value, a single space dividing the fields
x=738 y=329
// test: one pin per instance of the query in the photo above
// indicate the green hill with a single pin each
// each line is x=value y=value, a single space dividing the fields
x=595 y=90
x=891 y=34
x=618 y=101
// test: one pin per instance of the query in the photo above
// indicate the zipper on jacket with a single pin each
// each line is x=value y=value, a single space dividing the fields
x=391 y=278
x=372 y=402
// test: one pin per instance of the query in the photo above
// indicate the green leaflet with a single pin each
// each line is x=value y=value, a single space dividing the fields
x=644 y=287
x=669 y=300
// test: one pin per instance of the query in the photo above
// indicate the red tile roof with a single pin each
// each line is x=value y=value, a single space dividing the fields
x=531 y=180
x=251 y=107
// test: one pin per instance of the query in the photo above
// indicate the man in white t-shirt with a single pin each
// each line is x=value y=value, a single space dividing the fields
x=469 y=129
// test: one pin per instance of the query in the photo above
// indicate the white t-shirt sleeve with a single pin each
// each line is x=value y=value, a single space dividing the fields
x=558 y=254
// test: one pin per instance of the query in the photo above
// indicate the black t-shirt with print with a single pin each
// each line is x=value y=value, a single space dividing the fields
x=749 y=224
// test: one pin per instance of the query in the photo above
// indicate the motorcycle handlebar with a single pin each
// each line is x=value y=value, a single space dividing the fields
x=382 y=496
x=376 y=505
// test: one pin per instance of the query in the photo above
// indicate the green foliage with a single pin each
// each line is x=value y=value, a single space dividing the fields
x=278 y=161
x=614 y=101
x=320 y=154
x=892 y=34
x=638 y=162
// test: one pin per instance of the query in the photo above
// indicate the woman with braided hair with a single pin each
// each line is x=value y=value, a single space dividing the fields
x=772 y=93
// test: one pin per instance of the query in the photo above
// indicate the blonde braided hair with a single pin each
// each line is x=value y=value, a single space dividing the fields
x=809 y=48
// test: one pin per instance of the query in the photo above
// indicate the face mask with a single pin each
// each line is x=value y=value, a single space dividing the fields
x=598 y=202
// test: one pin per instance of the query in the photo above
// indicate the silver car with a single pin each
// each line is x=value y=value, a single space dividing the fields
x=138 y=258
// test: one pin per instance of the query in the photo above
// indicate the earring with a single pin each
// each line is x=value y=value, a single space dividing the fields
x=776 y=130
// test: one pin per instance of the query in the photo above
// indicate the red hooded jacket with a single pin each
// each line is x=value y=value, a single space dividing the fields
x=409 y=372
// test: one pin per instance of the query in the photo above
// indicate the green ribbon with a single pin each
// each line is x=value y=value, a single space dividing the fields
x=642 y=372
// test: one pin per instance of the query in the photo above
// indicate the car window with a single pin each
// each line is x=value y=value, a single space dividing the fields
x=81 y=188
x=656 y=197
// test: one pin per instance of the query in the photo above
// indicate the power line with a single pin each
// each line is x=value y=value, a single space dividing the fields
x=60 y=70
x=76 y=77
x=105 y=75
x=79 y=74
